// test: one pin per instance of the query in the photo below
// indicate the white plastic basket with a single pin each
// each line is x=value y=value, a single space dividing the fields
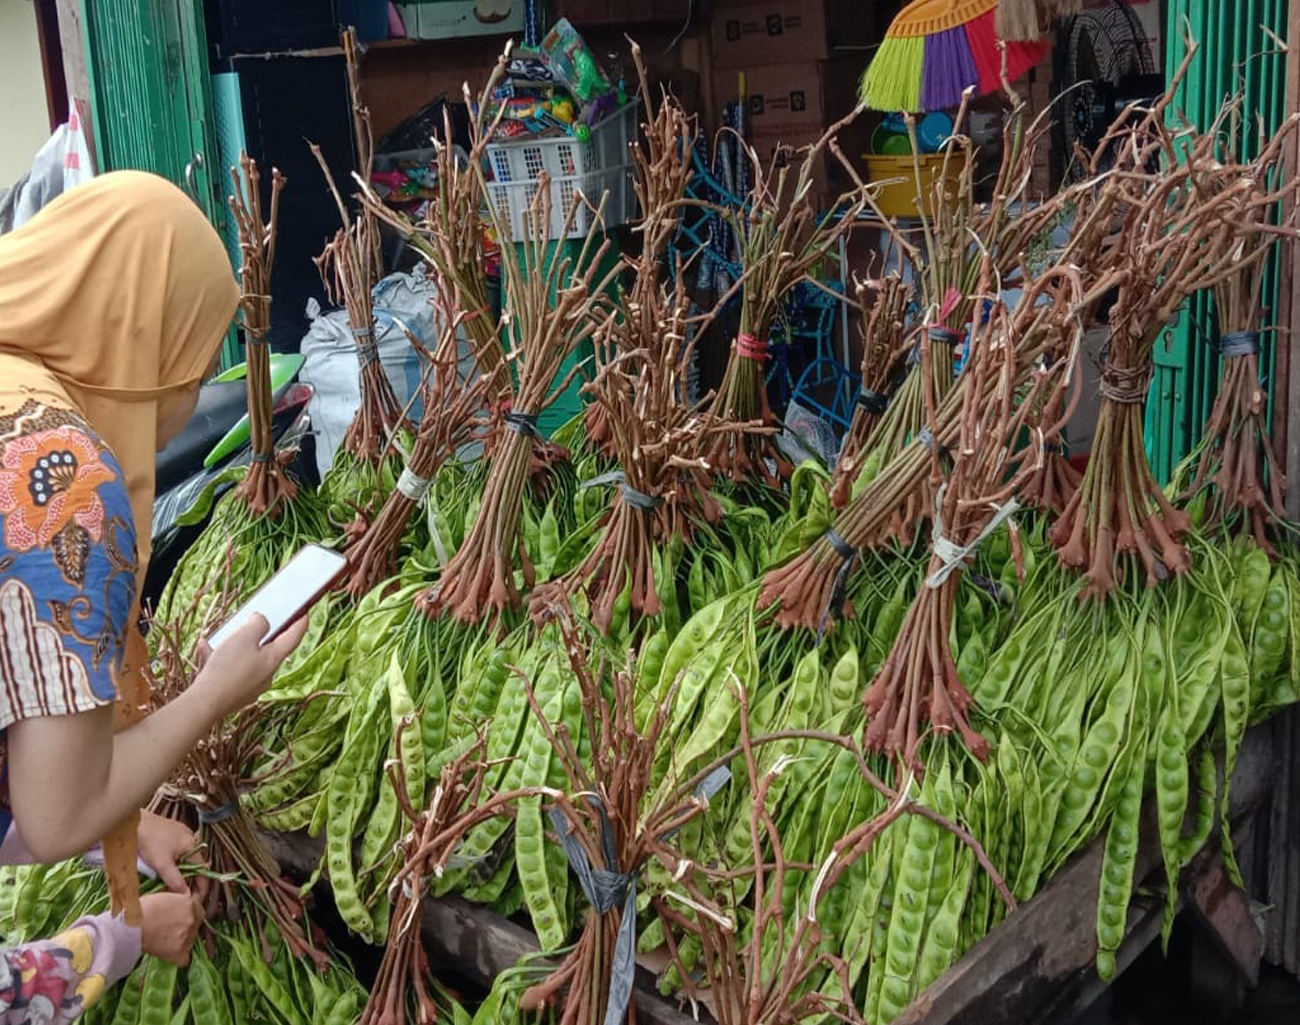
x=580 y=174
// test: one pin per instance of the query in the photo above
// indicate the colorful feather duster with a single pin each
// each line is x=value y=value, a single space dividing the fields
x=936 y=49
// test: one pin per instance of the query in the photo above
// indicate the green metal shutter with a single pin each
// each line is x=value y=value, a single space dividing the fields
x=151 y=98
x=1240 y=51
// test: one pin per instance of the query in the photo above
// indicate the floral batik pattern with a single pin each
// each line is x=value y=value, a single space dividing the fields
x=67 y=568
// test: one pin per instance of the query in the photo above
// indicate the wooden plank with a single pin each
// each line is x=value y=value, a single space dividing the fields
x=1045 y=949
x=1289 y=838
x=479 y=943
x=1146 y=915
x=1281 y=888
x=1143 y=929
x=1223 y=909
x=1043 y=955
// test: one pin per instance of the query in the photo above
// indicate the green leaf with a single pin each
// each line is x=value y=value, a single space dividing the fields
x=202 y=506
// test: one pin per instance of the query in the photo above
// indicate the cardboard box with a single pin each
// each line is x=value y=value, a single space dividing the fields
x=794 y=103
x=672 y=10
x=619 y=12
x=747 y=33
x=454 y=19
x=791 y=105
x=581 y=12
x=782 y=101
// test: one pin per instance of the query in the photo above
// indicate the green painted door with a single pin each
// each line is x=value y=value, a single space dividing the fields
x=1241 y=50
x=152 y=98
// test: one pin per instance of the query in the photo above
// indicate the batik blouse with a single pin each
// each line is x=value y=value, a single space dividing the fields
x=67 y=587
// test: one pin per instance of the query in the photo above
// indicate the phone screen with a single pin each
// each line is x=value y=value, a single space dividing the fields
x=288 y=594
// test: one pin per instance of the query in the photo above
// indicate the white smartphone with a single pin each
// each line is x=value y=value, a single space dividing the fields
x=288 y=594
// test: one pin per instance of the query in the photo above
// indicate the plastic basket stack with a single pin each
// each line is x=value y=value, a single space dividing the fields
x=580 y=174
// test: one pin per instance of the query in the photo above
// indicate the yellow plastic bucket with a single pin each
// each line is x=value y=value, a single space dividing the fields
x=898 y=198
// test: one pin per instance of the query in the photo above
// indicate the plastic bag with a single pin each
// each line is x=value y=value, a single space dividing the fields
x=61 y=164
x=807 y=434
x=402 y=303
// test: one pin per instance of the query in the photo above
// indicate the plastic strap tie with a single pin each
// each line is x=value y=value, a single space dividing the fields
x=522 y=423
x=1239 y=343
x=212 y=817
x=639 y=499
x=709 y=786
x=750 y=347
x=954 y=555
x=612 y=477
x=412 y=485
x=362 y=332
x=839 y=589
x=939 y=333
x=927 y=441
x=367 y=354
x=951 y=300
x=842 y=548
x=872 y=401
x=457 y=861
x=262 y=457
x=630 y=494
x=606 y=889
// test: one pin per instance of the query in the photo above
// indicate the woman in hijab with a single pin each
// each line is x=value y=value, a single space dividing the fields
x=113 y=303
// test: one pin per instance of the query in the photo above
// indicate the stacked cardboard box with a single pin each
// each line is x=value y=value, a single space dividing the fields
x=754 y=32
x=589 y=13
x=798 y=63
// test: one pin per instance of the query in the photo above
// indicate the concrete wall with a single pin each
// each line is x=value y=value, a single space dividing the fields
x=24 y=119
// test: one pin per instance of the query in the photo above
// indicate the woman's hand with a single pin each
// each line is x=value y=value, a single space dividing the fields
x=72 y=779
x=163 y=842
x=169 y=923
x=241 y=668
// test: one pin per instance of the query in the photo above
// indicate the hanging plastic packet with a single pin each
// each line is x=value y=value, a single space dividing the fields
x=573 y=64
x=529 y=68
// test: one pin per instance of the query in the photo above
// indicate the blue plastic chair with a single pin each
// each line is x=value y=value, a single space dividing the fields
x=801 y=345
x=804 y=338
x=829 y=389
x=702 y=234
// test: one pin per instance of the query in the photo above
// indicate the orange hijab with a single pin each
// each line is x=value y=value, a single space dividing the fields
x=113 y=301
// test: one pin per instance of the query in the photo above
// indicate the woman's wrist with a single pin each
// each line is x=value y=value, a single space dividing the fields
x=203 y=700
